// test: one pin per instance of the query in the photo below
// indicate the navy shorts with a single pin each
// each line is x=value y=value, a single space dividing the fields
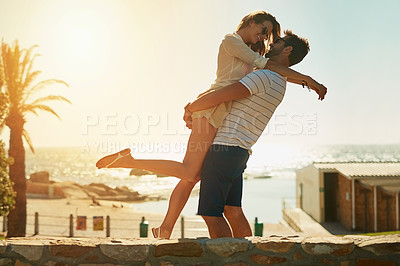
x=222 y=179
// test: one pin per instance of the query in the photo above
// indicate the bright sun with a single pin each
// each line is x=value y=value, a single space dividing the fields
x=82 y=37
x=81 y=42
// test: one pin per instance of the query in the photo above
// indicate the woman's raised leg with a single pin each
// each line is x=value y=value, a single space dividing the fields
x=189 y=170
x=200 y=140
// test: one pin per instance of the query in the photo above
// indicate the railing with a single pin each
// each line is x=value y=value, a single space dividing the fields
x=52 y=225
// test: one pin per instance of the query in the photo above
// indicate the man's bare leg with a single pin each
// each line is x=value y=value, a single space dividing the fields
x=217 y=227
x=238 y=221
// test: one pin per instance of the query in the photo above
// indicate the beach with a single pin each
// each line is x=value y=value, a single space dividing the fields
x=70 y=209
x=54 y=218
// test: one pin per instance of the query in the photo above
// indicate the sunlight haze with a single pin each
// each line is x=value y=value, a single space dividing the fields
x=133 y=65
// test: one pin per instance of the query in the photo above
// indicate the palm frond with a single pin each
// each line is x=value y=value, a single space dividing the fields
x=24 y=77
x=42 y=107
x=29 y=77
x=27 y=109
x=11 y=65
x=42 y=85
x=28 y=59
x=50 y=98
x=7 y=65
x=28 y=140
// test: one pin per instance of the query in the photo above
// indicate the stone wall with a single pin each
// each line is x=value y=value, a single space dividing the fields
x=281 y=250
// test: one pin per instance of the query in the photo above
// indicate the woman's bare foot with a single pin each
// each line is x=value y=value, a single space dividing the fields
x=115 y=160
x=160 y=234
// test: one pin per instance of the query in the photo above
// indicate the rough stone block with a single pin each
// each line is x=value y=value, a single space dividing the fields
x=31 y=252
x=69 y=251
x=5 y=261
x=374 y=262
x=50 y=263
x=328 y=245
x=3 y=247
x=179 y=248
x=275 y=245
x=20 y=263
x=165 y=263
x=125 y=252
x=226 y=247
x=93 y=258
x=267 y=260
x=298 y=256
x=325 y=261
x=381 y=245
x=106 y=264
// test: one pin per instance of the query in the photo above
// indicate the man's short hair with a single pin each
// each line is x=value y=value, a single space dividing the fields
x=300 y=45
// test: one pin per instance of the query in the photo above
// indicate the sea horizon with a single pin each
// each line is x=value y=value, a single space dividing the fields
x=269 y=177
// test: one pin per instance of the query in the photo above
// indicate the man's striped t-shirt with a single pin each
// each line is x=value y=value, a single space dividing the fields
x=249 y=116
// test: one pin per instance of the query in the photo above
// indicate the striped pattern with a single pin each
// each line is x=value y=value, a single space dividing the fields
x=249 y=116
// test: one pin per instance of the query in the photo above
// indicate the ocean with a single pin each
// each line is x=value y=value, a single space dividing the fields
x=269 y=177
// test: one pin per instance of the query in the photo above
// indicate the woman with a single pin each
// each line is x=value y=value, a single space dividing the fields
x=235 y=60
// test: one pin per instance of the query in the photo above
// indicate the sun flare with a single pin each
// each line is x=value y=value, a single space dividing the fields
x=81 y=42
x=81 y=39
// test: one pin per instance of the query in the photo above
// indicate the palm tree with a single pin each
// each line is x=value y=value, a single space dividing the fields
x=18 y=76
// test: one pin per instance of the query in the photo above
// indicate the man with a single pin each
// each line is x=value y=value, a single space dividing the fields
x=255 y=99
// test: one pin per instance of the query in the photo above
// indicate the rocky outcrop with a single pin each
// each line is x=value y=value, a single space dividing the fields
x=43 y=190
x=38 y=187
x=40 y=177
x=104 y=192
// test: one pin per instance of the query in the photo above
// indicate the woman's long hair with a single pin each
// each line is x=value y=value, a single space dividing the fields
x=259 y=17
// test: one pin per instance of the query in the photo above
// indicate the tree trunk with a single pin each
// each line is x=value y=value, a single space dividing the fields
x=17 y=217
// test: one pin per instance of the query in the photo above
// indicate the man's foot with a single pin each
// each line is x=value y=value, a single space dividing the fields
x=114 y=160
x=157 y=233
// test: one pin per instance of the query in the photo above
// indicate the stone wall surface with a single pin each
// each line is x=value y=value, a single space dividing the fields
x=273 y=250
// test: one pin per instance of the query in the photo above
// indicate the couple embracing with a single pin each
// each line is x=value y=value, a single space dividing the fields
x=226 y=121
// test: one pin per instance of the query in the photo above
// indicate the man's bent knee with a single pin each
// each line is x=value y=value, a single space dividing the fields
x=233 y=211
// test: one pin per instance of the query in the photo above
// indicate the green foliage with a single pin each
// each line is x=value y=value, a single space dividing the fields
x=7 y=193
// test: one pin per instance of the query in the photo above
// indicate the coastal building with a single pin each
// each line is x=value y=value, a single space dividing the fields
x=362 y=196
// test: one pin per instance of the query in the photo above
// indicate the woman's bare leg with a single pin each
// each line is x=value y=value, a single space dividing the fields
x=200 y=140
x=177 y=202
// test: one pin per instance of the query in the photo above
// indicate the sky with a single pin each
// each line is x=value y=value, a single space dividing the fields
x=133 y=65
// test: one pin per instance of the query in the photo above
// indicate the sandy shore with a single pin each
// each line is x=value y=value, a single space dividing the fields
x=54 y=220
x=56 y=201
